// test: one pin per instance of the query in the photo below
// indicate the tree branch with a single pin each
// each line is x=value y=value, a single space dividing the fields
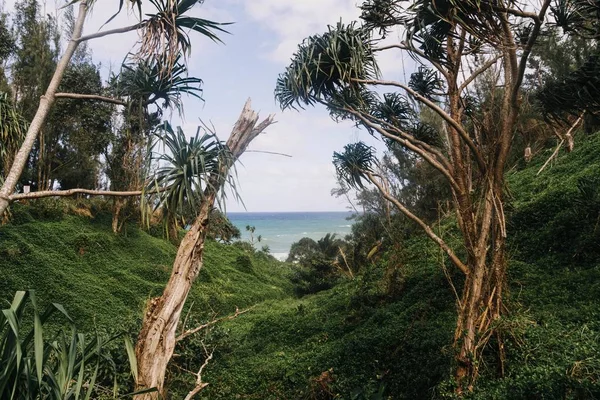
x=418 y=52
x=478 y=72
x=197 y=329
x=528 y=47
x=110 y=32
x=71 y=192
x=438 y=110
x=199 y=384
x=440 y=242
x=405 y=141
x=78 y=96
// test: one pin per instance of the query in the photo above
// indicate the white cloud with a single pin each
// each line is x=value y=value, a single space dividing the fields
x=292 y=21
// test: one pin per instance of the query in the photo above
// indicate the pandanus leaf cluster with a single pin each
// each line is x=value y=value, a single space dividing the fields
x=187 y=167
x=327 y=66
x=144 y=83
x=353 y=164
x=165 y=33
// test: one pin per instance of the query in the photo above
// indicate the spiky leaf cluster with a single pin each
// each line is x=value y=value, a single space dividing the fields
x=328 y=66
x=188 y=166
x=575 y=93
x=144 y=83
x=381 y=14
x=425 y=82
x=578 y=17
x=353 y=164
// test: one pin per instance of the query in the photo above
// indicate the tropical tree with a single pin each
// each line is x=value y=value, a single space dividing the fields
x=163 y=39
x=184 y=166
x=457 y=46
x=157 y=338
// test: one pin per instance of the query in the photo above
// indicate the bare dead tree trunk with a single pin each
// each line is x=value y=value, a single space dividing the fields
x=46 y=102
x=157 y=338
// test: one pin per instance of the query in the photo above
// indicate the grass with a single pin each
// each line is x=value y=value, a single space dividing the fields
x=357 y=339
x=104 y=279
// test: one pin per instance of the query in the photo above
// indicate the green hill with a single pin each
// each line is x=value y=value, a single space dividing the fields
x=104 y=279
x=366 y=337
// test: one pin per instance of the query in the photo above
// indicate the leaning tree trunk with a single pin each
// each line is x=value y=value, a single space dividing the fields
x=156 y=341
x=46 y=101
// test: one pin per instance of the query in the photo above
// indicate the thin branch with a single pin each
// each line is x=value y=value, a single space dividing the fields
x=269 y=152
x=90 y=97
x=528 y=47
x=427 y=156
x=568 y=134
x=440 y=242
x=478 y=72
x=71 y=192
x=110 y=32
x=197 y=329
x=418 y=52
x=438 y=110
x=199 y=384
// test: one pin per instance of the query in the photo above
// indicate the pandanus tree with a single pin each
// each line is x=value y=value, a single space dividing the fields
x=184 y=165
x=455 y=44
x=192 y=173
x=164 y=37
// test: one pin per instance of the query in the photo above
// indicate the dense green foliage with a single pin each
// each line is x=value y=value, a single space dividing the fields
x=389 y=330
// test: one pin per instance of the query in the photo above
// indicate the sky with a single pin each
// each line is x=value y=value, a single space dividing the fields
x=263 y=37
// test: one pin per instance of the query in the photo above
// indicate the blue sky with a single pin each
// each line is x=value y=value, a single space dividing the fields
x=263 y=37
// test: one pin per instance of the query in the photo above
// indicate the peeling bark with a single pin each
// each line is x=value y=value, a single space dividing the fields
x=157 y=338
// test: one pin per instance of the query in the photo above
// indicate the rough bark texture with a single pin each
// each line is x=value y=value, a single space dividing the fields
x=46 y=102
x=157 y=338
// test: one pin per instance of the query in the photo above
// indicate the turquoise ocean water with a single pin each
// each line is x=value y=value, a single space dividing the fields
x=280 y=229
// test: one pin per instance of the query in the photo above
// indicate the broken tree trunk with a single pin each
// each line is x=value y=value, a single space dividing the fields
x=157 y=338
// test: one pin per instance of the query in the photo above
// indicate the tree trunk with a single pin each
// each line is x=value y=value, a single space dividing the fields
x=481 y=301
x=157 y=338
x=118 y=204
x=20 y=160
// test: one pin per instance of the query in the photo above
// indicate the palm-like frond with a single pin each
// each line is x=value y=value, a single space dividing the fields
x=425 y=82
x=326 y=64
x=395 y=109
x=353 y=164
x=145 y=83
x=188 y=167
x=165 y=33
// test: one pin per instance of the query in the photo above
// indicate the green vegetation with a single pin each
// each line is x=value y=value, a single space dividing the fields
x=389 y=330
x=103 y=279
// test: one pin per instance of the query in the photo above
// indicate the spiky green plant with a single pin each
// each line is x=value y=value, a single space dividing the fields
x=144 y=83
x=186 y=169
x=353 y=164
x=40 y=363
x=12 y=130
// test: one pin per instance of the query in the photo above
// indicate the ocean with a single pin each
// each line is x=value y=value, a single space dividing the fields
x=280 y=229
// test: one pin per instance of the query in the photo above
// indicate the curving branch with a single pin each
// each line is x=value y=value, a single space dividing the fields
x=438 y=110
x=78 y=96
x=420 y=53
x=116 y=31
x=409 y=143
x=528 y=47
x=197 y=329
x=440 y=242
x=479 y=71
